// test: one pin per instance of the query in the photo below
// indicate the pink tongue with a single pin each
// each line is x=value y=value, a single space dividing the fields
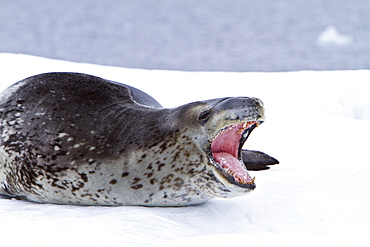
x=232 y=164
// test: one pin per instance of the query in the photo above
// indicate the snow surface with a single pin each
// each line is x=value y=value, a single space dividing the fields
x=318 y=126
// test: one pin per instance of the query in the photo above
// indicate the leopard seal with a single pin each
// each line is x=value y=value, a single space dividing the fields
x=71 y=138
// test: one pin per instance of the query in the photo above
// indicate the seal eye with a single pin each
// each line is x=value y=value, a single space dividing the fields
x=203 y=117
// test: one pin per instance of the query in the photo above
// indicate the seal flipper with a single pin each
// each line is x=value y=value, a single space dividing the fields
x=143 y=98
x=257 y=161
x=4 y=194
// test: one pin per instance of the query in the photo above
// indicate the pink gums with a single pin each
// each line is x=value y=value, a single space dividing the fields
x=225 y=149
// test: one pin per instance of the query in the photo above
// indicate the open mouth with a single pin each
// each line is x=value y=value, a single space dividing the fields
x=226 y=153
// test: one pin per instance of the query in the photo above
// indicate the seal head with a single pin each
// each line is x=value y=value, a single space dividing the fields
x=72 y=138
x=227 y=124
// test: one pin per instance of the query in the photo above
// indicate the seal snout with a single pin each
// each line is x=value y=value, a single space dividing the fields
x=241 y=108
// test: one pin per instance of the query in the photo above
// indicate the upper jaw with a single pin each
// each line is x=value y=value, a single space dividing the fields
x=231 y=111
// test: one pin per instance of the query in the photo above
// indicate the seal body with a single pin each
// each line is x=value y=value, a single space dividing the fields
x=72 y=138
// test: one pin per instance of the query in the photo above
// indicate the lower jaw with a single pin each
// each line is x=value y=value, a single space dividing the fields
x=233 y=168
x=233 y=188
